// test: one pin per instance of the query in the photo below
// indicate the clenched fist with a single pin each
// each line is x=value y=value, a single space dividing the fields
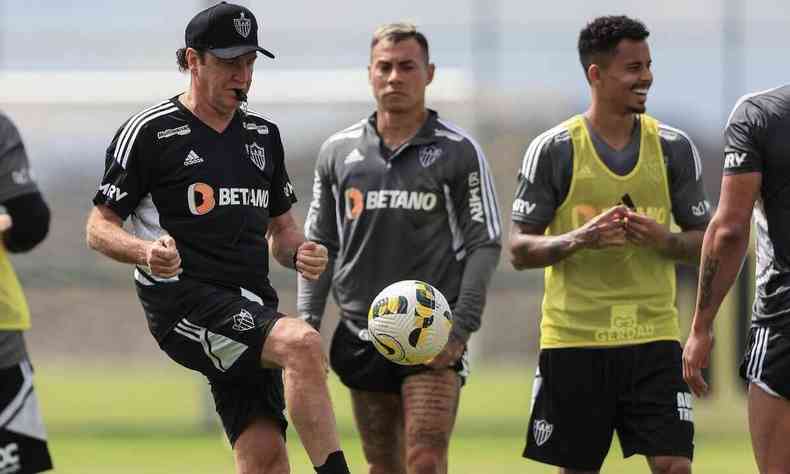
x=311 y=260
x=5 y=222
x=163 y=258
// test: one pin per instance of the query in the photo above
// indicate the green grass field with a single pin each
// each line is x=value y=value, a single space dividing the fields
x=150 y=419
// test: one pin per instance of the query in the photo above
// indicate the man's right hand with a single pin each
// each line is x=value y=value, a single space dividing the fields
x=604 y=230
x=163 y=258
x=311 y=260
x=5 y=222
x=696 y=356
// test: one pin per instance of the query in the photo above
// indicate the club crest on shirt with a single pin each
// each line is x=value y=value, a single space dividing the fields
x=542 y=429
x=429 y=154
x=243 y=25
x=255 y=152
x=243 y=321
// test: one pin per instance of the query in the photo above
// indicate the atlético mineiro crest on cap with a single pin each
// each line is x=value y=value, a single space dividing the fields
x=256 y=155
x=542 y=429
x=243 y=25
x=225 y=30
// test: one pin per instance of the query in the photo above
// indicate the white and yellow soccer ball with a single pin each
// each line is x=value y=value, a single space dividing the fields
x=409 y=322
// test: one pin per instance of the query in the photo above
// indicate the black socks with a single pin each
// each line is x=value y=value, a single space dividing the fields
x=335 y=464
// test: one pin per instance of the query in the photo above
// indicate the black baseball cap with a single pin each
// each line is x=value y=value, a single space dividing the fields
x=225 y=30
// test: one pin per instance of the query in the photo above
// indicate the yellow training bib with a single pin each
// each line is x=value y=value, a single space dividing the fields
x=14 y=313
x=615 y=296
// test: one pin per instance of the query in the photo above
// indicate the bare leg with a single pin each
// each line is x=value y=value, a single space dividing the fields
x=380 y=425
x=261 y=449
x=430 y=405
x=669 y=465
x=769 y=424
x=296 y=347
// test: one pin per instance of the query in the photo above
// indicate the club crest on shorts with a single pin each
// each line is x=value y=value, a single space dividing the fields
x=243 y=321
x=542 y=429
x=257 y=156
x=243 y=25
x=429 y=154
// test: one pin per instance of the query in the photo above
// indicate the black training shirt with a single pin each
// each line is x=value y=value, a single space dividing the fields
x=214 y=193
x=758 y=140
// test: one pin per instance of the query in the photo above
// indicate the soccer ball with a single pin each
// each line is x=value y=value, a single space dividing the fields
x=409 y=322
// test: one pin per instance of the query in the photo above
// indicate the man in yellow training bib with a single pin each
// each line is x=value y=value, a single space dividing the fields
x=594 y=204
x=25 y=223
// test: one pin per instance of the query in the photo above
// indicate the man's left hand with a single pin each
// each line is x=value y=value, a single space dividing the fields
x=311 y=260
x=645 y=231
x=449 y=355
x=5 y=222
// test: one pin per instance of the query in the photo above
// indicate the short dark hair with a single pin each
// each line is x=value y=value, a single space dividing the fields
x=599 y=39
x=397 y=32
x=181 y=58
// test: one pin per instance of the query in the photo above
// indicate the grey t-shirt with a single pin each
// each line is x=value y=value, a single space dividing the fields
x=547 y=169
x=16 y=179
x=757 y=139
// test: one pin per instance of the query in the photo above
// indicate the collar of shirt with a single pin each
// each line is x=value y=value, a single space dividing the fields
x=426 y=134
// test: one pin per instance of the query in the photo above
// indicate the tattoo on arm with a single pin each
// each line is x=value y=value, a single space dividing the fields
x=709 y=271
x=679 y=247
x=685 y=246
x=592 y=237
x=555 y=251
x=674 y=244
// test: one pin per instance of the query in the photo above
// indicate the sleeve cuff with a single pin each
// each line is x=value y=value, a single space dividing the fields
x=311 y=319
x=460 y=333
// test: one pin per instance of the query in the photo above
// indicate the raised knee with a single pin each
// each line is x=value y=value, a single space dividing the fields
x=303 y=346
x=306 y=341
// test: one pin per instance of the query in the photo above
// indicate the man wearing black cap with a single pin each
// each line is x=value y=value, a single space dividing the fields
x=205 y=184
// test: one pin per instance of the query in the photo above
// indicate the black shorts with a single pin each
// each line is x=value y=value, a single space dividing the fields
x=220 y=333
x=23 y=439
x=582 y=395
x=361 y=367
x=766 y=361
